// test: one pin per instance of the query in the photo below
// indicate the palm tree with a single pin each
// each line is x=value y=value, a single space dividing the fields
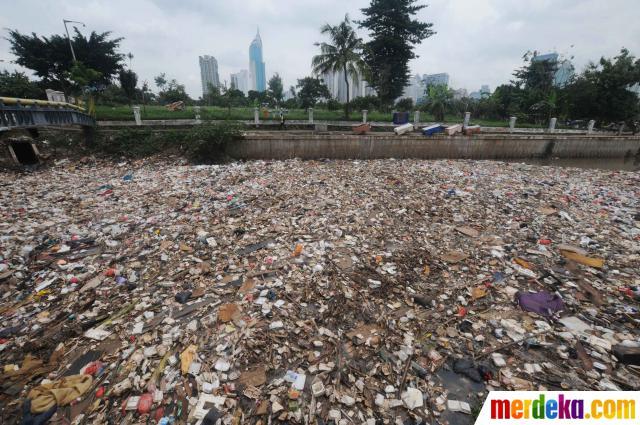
x=342 y=53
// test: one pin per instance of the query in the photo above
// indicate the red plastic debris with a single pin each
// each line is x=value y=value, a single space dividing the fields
x=144 y=405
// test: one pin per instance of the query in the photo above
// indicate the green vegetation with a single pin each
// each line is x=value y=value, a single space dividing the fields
x=201 y=144
x=156 y=112
x=439 y=98
x=601 y=92
x=310 y=90
x=393 y=33
x=275 y=88
x=213 y=113
x=170 y=90
x=17 y=84
x=49 y=58
x=343 y=54
x=128 y=82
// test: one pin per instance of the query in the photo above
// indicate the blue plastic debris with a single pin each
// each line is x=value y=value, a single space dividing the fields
x=433 y=129
x=498 y=277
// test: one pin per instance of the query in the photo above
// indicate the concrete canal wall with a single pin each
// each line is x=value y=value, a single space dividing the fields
x=281 y=145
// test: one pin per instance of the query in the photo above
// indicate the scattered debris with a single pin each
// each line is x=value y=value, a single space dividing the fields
x=310 y=292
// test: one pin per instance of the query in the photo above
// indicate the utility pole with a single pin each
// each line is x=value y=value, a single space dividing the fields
x=66 y=21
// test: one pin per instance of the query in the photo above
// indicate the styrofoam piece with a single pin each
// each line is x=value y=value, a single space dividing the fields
x=404 y=128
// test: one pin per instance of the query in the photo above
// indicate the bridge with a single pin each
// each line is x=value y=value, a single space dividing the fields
x=32 y=114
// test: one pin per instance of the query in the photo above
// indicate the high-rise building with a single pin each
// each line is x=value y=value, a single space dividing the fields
x=436 y=79
x=460 y=93
x=564 y=70
x=483 y=93
x=415 y=90
x=240 y=80
x=256 y=65
x=208 y=73
x=338 y=86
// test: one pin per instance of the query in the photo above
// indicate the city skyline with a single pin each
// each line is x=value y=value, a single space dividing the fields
x=477 y=43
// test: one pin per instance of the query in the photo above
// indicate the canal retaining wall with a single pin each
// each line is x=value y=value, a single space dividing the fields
x=281 y=145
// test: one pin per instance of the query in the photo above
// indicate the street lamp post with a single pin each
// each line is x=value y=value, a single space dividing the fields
x=66 y=21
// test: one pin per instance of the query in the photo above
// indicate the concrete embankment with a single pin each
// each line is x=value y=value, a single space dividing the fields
x=282 y=145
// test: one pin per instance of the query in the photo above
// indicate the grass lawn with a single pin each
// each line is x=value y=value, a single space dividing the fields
x=156 y=112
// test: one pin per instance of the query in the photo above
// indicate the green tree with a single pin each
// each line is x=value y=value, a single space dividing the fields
x=394 y=33
x=50 y=59
x=330 y=104
x=276 y=89
x=112 y=95
x=173 y=92
x=341 y=54
x=161 y=81
x=439 y=98
x=292 y=103
x=82 y=76
x=84 y=81
x=369 y=103
x=311 y=90
x=257 y=98
x=405 y=104
x=506 y=98
x=213 y=97
x=144 y=95
x=17 y=84
x=128 y=82
x=233 y=98
x=602 y=92
x=537 y=97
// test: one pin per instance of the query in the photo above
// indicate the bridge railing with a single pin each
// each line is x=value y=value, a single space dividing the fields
x=31 y=113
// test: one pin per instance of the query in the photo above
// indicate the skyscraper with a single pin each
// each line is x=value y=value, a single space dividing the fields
x=208 y=73
x=256 y=65
x=436 y=79
x=483 y=93
x=338 y=87
x=460 y=93
x=564 y=67
x=240 y=80
x=415 y=90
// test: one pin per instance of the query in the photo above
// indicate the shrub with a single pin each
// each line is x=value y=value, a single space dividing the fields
x=405 y=104
x=369 y=103
x=208 y=143
x=202 y=143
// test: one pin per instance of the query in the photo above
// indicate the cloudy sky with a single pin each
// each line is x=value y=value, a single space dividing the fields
x=477 y=41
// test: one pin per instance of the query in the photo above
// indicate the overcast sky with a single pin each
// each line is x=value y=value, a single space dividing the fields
x=477 y=41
